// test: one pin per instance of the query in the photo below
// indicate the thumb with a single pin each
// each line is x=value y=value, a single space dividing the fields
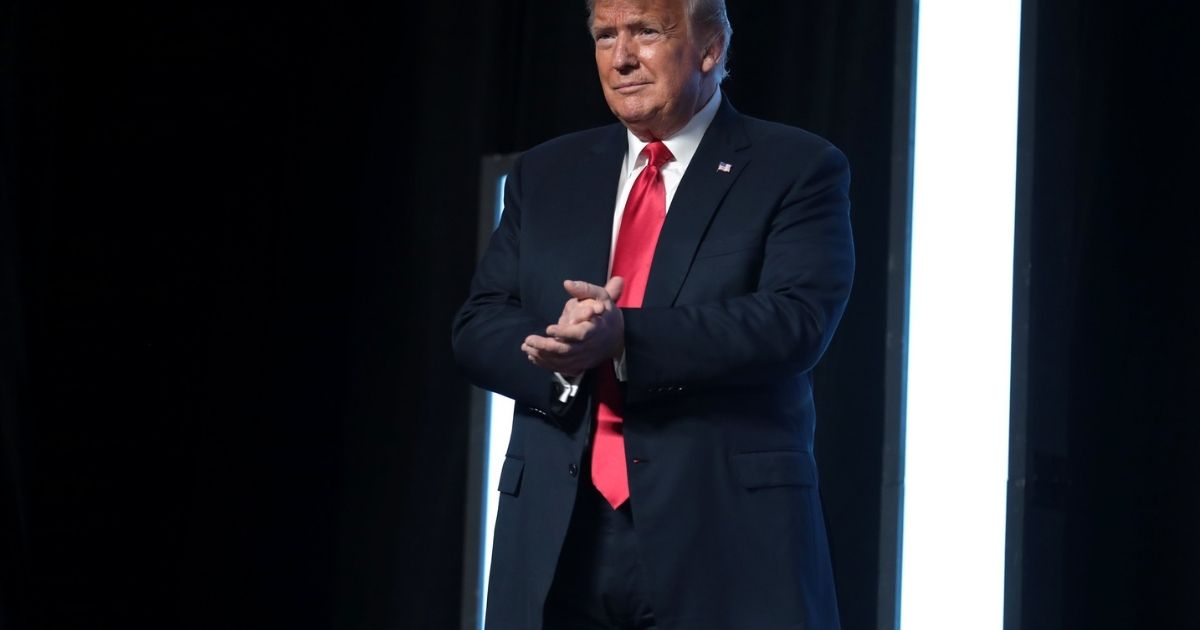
x=581 y=290
x=615 y=286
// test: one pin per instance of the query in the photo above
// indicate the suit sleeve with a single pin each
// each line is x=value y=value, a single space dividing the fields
x=489 y=328
x=778 y=330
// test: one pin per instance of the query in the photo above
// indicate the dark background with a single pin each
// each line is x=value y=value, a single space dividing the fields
x=1105 y=383
x=232 y=238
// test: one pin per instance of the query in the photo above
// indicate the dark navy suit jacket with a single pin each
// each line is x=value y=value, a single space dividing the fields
x=750 y=277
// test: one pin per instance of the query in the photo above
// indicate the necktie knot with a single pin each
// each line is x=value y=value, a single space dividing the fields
x=657 y=154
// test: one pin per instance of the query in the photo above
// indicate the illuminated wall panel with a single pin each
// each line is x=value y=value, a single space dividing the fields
x=960 y=315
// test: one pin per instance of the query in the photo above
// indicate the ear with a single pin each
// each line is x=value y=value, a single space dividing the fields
x=712 y=54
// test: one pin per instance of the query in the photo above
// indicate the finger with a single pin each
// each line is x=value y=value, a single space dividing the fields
x=575 y=332
x=572 y=311
x=584 y=311
x=558 y=365
x=614 y=288
x=585 y=290
x=570 y=307
x=538 y=345
x=545 y=362
x=568 y=363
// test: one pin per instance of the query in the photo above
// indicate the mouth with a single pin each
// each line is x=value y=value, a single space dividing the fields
x=632 y=86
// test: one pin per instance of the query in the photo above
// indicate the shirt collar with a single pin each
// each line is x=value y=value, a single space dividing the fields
x=683 y=143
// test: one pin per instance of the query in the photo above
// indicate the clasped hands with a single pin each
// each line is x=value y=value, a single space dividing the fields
x=590 y=330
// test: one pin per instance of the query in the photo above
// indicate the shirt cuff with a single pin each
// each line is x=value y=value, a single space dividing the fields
x=567 y=386
x=619 y=368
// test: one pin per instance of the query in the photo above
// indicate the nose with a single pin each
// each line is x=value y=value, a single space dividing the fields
x=624 y=56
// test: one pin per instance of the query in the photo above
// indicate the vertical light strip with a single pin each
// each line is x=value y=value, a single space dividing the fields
x=960 y=315
x=500 y=413
x=499 y=426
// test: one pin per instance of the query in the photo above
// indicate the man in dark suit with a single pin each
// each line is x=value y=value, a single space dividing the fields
x=654 y=299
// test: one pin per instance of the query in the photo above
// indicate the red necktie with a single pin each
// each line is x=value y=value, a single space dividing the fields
x=640 y=224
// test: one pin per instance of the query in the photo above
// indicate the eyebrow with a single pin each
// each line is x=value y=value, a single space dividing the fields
x=637 y=24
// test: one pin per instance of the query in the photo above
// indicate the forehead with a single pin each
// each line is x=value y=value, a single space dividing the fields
x=615 y=12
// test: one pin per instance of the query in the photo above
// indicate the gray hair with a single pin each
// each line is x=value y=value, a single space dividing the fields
x=706 y=17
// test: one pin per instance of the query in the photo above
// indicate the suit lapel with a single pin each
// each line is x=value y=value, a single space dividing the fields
x=700 y=192
x=595 y=196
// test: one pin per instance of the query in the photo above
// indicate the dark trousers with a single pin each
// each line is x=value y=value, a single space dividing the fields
x=601 y=582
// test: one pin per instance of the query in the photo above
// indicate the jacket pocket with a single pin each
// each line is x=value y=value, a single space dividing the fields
x=775 y=468
x=510 y=476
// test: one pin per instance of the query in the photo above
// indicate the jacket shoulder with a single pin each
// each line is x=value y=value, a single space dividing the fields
x=568 y=147
x=784 y=139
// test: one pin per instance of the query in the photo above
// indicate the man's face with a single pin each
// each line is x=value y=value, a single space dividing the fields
x=655 y=71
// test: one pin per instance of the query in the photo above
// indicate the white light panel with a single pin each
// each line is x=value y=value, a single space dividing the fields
x=960 y=315
x=499 y=427
x=500 y=413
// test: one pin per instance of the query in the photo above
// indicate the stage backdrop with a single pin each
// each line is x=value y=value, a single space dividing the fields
x=232 y=237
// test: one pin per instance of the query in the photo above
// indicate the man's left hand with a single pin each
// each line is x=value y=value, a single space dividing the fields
x=576 y=346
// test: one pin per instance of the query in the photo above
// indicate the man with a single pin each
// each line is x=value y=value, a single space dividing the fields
x=654 y=299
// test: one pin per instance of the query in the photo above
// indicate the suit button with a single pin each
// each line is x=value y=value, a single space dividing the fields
x=573 y=470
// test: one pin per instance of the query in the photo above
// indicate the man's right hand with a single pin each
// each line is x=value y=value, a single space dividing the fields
x=577 y=311
x=590 y=330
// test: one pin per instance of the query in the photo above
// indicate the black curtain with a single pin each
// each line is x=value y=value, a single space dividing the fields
x=239 y=233
x=232 y=238
x=1109 y=253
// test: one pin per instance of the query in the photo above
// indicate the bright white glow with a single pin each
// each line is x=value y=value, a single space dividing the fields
x=499 y=426
x=500 y=414
x=960 y=315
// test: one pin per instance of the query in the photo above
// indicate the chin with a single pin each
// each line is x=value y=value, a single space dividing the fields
x=629 y=106
x=634 y=114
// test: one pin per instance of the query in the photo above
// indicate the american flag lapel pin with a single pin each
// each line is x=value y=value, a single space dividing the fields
x=724 y=167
